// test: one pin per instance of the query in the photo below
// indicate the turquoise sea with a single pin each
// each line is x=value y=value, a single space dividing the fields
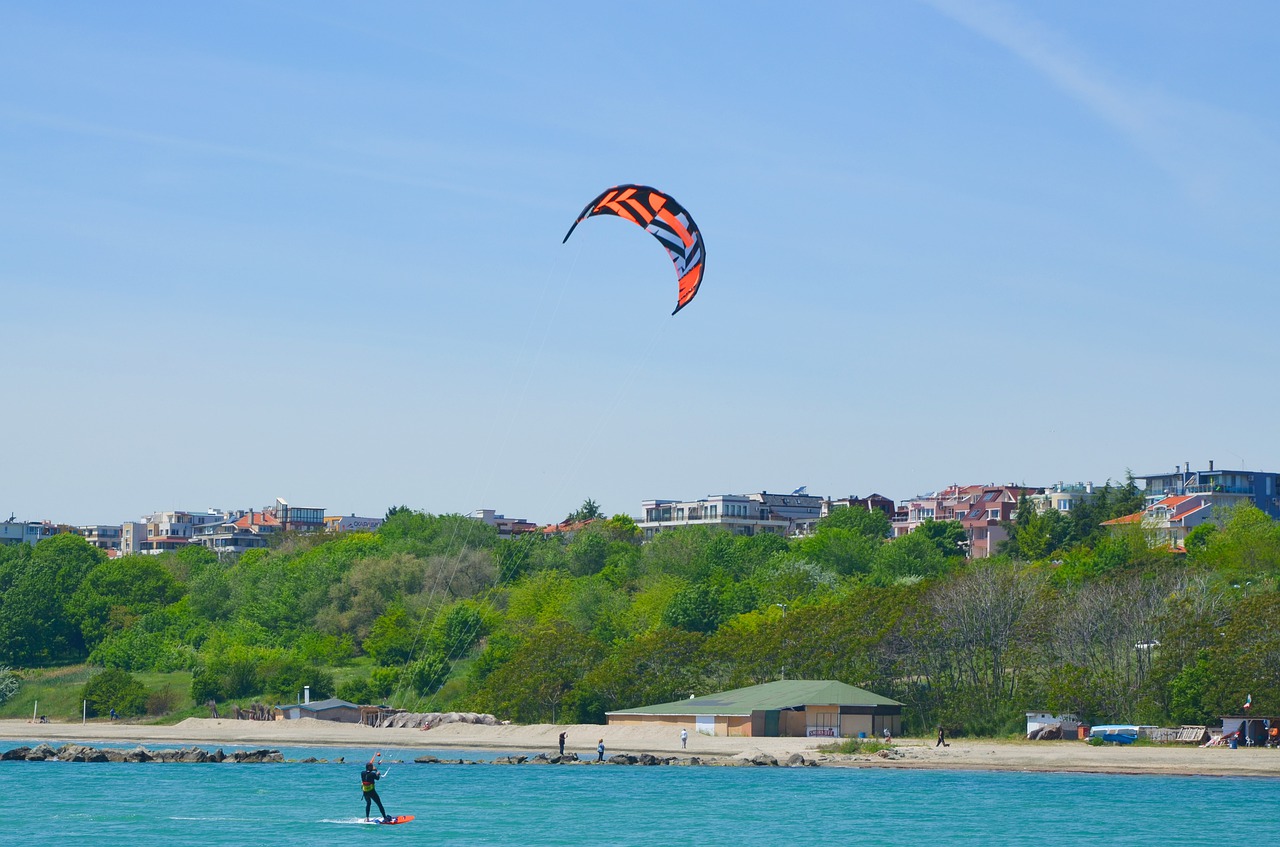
x=320 y=804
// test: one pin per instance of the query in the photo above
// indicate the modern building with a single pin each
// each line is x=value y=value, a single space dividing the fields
x=740 y=514
x=507 y=527
x=1223 y=488
x=351 y=523
x=813 y=708
x=296 y=518
x=25 y=532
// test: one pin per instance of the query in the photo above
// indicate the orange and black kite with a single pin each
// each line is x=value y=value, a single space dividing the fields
x=664 y=219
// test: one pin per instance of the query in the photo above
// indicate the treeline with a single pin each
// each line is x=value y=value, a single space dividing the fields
x=1069 y=618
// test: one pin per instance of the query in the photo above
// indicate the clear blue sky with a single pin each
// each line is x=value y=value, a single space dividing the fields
x=312 y=250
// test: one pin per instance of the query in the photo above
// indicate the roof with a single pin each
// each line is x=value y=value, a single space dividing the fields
x=784 y=694
x=322 y=705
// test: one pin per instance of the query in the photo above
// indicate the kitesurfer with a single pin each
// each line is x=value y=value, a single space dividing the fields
x=368 y=778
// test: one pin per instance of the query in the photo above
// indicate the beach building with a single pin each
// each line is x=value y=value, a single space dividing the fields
x=740 y=514
x=332 y=709
x=791 y=708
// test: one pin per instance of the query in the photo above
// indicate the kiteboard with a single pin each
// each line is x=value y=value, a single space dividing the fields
x=395 y=820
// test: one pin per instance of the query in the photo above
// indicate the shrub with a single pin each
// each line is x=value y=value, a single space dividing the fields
x=9 y=683
x=855 y=745
x=162 y=702
x=114 y=689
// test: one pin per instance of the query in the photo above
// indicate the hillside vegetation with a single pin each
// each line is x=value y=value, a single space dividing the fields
x=434 y=611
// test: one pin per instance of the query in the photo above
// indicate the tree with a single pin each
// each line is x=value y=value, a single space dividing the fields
x=588 y=511
x=114 y=689
x=119 y=591
x=36 y=626
x=543 y=668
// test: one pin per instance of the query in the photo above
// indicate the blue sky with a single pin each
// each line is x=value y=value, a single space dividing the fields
x=312 y=250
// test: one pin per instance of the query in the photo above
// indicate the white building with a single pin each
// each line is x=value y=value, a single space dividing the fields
x=740 y=514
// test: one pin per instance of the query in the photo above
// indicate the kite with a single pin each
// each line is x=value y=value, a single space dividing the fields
x=664 y=219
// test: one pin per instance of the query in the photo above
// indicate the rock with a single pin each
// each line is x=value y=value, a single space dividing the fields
x=795 y=760
x=138 y=754
x=622 y=759
x=17 y=754
x=649 y=759
x=41 y=753
x=257 y=757
x=763 y=759
x=113 y=755
x=310 y=760
x=427 y=760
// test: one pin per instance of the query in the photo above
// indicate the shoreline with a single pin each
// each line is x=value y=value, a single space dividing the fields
x=908 y=753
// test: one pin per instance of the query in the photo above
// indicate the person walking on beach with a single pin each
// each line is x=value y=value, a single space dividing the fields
x=684 y=738
x=600 y=751
x=563 y=736
x=368 y=777
x=942 y=738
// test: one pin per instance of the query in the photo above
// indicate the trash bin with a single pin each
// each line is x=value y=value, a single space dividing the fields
x=1235 y=743
x=862 y=735
x=1082 y=732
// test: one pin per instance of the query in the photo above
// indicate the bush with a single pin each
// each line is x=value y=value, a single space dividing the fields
x=162 y=702
x=9 y=683
x=855 y=745
x=114 y=689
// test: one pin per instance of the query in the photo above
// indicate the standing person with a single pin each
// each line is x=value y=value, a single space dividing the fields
x=368 y=777
x=888 y=736
x=600 y=751
x=563 y=736
x=942 y=738
x=684 y=738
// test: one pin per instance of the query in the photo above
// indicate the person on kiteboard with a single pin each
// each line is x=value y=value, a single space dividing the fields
x=368 y=778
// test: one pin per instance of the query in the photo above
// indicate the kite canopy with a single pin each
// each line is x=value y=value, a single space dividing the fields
x=664 y=219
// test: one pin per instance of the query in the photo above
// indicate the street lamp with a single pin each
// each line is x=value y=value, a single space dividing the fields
x=783 y=607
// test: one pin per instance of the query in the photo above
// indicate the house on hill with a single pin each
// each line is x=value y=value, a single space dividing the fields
x=791 y=708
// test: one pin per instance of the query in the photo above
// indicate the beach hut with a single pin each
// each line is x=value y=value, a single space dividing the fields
x=793 y=708
x=332 y=709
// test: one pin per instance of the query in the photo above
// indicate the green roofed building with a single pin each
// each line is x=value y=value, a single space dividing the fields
x=795 y=708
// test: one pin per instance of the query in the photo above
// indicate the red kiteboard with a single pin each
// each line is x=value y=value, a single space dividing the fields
x=396 y=819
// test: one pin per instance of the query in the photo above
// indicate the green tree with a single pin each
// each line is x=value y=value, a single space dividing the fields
x=541 y=672
x=119 y=591
x=114 y=689
x=36 y=626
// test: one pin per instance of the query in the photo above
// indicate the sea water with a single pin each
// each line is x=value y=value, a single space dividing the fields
x=320 y=804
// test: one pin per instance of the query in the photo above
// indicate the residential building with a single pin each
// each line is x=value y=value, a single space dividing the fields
x=1166 y=522
x=238 y=532
x=1062 y=497
x=164 y=532
x=507 y=527
x=1221 y=487
x=799 y=708
x=869 y=503
x=740 y=514
x=25 y=532
x=981 y=509
x=102 y=536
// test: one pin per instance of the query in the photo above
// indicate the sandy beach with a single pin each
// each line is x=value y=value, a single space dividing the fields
x=1048 y=756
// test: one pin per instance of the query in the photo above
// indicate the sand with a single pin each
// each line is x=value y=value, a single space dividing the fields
x=1046 y=756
